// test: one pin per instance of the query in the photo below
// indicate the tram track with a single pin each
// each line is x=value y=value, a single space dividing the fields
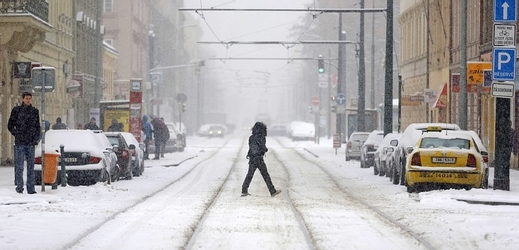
x=111 y=222
x=387 y=225
x=310 y=197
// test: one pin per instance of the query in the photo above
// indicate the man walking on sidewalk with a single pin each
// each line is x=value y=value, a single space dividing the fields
x=24 y=125
x=257 y=150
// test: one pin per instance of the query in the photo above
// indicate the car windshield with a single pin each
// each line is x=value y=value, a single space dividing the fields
x=113 y=140
x=434 y=142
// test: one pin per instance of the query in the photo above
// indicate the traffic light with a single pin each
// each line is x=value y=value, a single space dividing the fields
x=320 y=63
x=183 y=107
x=310 y=109
x=334 y=108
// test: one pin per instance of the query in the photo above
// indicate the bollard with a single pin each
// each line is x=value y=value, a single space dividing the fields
x=62 y=163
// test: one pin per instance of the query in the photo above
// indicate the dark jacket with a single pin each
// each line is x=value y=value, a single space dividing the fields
x=115 y=127
x=91 y=126
x=59 y=124
x=24 y=125
x=160 y=130
x=257 y=141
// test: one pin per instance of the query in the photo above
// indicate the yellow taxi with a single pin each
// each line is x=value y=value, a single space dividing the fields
x=446 y=159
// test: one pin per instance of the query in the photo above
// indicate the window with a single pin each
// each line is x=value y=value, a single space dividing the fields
x=108 y=6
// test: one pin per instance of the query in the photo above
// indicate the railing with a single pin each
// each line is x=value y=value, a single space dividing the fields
x=38 y=8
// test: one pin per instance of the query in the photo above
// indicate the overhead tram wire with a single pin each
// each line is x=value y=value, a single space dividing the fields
x=271 y=58
x=328 y=10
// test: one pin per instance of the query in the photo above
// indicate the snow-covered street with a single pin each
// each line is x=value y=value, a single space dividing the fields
x=326 y=203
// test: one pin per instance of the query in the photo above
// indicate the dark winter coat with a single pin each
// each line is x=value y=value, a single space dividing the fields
x=24 y=125
x=91 y=126
x=59 y=124
x=115 y=127
x=160 y=130
x=257 y=141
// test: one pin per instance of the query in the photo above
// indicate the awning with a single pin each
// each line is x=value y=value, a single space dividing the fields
x=441 y=100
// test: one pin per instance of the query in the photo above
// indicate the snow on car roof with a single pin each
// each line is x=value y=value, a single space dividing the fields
x=72 y=140
x=387 y=139
x=130 y=138
x=414 y=131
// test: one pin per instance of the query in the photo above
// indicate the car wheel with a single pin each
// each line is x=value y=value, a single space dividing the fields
x=381 y=170
x=106 y=177
x=402 y=175
x=115 y=175
x=394 y=175
x=484 y=183
x=411 y=189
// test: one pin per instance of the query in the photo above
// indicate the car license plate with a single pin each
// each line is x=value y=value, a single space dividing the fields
x=445 y=160
x=70 y=159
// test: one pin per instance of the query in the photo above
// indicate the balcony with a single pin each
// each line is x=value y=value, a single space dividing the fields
x=23 y=23
x=37 y=8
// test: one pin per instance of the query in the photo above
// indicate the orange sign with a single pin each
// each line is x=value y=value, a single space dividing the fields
x=406 y=101
x=475 y=71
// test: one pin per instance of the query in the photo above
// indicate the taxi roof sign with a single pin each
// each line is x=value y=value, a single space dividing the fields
x=434 y=129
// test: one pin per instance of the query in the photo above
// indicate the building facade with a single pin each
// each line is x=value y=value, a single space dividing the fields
x=58 y=34
x=431 y=56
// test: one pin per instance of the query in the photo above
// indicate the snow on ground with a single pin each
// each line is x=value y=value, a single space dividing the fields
x=55 y=218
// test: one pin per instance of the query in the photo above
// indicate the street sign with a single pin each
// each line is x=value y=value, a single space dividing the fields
x=503 y=89
x=315 y=100
x=323 y=80
x=43 y=77
x=503 y=63
x=336 y=141
x=505 y=11
x=341 y=99
x=181 y=97
x=504 y=35
x=156 y=77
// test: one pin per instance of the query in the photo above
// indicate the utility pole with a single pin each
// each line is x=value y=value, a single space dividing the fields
x=341 y=72
x=428 y=58
x=98 y=57
x=463 y=67
x=361 y=104
x=388 y=97
x=373 y=57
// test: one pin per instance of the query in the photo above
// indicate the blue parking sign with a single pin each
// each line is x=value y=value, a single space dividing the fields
x=505 y=11
x=503 y=63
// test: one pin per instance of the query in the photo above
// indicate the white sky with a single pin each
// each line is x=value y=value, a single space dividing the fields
x=244 y=81
x=57 y=218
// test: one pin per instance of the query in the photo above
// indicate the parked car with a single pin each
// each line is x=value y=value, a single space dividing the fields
x=383 y=154
x=408 y=141
x=137 y=153
x=277 y=130
x=445 y=159
x=124 y=155
x=367 y=151
x=354 y=144
x=177 y=138
x=87 y=156
x=291 y=127
x=303 y=131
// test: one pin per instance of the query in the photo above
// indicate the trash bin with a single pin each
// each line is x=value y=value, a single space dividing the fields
x=50 y=172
